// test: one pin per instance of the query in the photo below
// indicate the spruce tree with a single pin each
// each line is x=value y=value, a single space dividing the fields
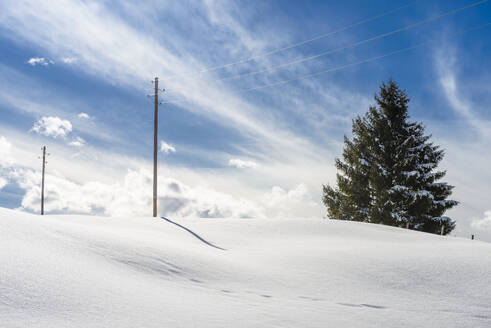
x=388 y=173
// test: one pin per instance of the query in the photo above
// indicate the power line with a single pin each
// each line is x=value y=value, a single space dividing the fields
x=322 y=36
x=349 y=65
x=380 y=36
x=359 y=62
x=355 y=44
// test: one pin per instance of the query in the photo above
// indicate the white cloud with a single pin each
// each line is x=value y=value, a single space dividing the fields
x=47 y=101
x=99 y=182
x=484 y=223
x=77 y=142
x=465 y=161
x=285 y=203
x=3 y=182
x=83 y=115
x=6 y=160
x=39 y=61
x=65 y=30
x=127 y=54
x=68 y=60
x=131 y=197
x=167 y=148
x=241 y=164
x=52 y=126
x=5 y=152
x=279 y=195
x=446 y=62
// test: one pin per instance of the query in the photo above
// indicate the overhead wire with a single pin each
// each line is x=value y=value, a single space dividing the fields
x=348 y=65
x=298 y=44
x=353 y=45
x=361 y=61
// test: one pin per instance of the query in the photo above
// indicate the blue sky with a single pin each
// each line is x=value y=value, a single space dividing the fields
x=231 y=152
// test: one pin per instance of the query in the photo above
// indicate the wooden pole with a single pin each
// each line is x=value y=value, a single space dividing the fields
x=42 y=180
x=155 y=136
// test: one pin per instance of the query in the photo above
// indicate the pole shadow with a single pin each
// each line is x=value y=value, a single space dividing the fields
x=193 y=233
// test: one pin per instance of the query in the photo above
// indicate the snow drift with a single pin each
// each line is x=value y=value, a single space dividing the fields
x=82 y=271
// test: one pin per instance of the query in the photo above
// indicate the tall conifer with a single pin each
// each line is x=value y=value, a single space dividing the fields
x=388 y=173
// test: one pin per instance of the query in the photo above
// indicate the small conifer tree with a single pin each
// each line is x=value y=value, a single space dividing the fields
x=388 y=173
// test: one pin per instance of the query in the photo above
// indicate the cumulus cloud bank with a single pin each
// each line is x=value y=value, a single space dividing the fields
x=482 y=223
x=130 y=197
x=287 y=203
x=241 y=164
x=52 y=126
x=6 y=160
x=5 y=152
x=3 y=182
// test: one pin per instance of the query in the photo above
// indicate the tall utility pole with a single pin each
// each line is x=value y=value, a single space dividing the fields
x=42 y=180
x=155 y=134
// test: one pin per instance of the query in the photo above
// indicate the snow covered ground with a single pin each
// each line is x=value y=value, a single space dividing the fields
x=81 y=271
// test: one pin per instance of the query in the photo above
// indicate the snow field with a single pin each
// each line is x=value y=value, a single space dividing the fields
x=82 y=271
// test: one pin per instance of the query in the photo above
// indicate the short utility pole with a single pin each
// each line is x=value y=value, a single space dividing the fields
x=155 y=136
x=42 y=180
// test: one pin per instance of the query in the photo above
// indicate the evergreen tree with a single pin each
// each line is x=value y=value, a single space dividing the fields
x=389 y=170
